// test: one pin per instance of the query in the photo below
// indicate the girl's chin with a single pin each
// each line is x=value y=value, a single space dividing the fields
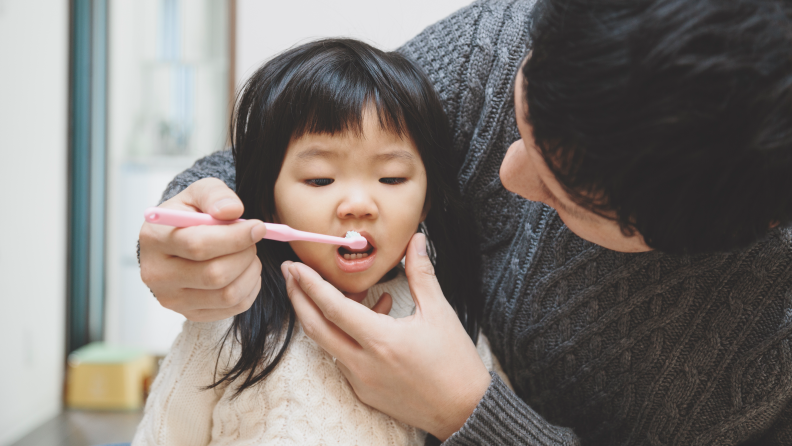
x=356 y=296
x=350 y=286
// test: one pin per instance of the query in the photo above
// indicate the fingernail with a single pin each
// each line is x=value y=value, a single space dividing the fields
x=285 y=270
x=422 y=246
x=295 y=273
x=223 y=203
x=258 y=232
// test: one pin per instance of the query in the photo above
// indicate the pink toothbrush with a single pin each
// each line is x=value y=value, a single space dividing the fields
x=281 y=233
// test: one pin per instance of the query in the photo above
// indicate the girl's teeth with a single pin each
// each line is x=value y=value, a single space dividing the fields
x=356 y=256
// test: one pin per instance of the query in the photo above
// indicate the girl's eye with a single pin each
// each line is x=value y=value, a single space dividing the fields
x=319 y=182
x=392 y=180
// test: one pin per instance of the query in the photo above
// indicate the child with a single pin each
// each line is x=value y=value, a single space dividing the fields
x=329 y=137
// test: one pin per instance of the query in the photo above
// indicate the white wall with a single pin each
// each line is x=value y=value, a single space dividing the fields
x=265 y=28
x=33 y=144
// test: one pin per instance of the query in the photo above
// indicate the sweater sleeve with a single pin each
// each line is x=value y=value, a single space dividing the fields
x=217 y=165
x=501 y=417
x=780 y=433
x=178 y=410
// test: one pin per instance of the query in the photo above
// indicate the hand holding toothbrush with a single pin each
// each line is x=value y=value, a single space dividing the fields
x=206 y=273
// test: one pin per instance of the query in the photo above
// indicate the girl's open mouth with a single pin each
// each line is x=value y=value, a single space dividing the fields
x=355 y=260
x=349 y=254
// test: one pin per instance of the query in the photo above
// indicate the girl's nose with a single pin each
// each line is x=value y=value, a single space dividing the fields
x=358 y=205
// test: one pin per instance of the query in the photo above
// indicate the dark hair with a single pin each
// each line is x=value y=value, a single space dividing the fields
x=674 y=116
x=325 y=87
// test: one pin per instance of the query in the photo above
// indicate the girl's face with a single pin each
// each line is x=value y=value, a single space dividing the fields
x=374 y=183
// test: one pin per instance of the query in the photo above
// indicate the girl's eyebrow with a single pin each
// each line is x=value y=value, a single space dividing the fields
x=395 y=154
x=316 y=153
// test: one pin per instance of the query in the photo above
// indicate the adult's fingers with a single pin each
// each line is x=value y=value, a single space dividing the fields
x=210 y=241
x=353 y=318
x=211 y=274
x=334 y=340
x=212 y=196
x=421 y=277
x=183 y=300
x=225 y=313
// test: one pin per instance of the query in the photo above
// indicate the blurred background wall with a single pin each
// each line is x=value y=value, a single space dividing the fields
x=34 y=48
x=162 y=85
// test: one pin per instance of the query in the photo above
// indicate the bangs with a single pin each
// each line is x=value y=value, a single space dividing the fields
x=332 y=91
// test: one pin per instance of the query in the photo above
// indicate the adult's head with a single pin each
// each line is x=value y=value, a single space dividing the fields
x=658 y=124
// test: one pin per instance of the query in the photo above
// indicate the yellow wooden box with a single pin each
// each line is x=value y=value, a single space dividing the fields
x=103 y=377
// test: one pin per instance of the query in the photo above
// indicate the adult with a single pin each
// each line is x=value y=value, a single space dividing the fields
x=641 y=295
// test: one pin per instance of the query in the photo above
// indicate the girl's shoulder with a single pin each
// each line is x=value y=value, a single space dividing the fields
x=206 y=337
x=208 y=330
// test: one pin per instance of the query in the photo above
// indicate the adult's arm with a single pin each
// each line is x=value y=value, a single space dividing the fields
x=780 y=432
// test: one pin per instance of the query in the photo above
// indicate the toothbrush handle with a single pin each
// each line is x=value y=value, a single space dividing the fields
x=283 y=233
x=182 y=219
x=321 y=238
x=275 y=231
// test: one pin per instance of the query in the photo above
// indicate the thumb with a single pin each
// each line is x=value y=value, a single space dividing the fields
x=421 y=274
x=383 y=305
x=213 y=197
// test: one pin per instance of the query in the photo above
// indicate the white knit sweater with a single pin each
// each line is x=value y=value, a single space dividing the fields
x=305 y=401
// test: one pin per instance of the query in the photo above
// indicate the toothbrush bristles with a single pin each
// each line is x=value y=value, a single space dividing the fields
x=357 y=241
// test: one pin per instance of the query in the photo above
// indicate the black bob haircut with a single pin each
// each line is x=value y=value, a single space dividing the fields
x=673 y=117
x=326 y=87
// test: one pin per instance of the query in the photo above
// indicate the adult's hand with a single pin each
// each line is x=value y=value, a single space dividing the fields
x=206 y=273
x=422 y=370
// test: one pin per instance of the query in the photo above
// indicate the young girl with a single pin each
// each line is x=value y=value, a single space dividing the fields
x=329 y=137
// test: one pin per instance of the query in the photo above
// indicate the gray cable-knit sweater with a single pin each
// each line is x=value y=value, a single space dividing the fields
x=603 y=348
